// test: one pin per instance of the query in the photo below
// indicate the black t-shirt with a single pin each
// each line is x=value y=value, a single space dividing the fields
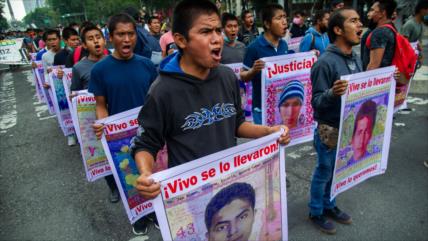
x=61 y=57
x=297 y=31
x=381 y=37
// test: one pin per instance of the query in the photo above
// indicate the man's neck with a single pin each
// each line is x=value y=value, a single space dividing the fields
x=418 y=18
x=343 y=46
x=248 y=27
x=189 y=67
x=318 y=29
x=272 y=39
x=95 y=58
x=116 y=56
x=383 y=21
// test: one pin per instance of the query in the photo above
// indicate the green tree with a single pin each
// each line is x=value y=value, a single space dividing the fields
x=42 y=17
x=3 y=22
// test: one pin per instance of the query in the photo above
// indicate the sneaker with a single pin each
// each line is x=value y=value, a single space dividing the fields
x=114 y=196
x=152 y=217
x=71 y=140
x=141 y=227
x=426 y=164
x=337 y=215
x=323 y=224
x=288 y=184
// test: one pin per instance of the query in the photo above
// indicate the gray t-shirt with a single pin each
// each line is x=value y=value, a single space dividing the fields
x=412 y=30
x=234 y=54
x=81 y=74
x=381 y=37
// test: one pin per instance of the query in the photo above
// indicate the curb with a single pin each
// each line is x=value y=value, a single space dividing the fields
x=419 y=84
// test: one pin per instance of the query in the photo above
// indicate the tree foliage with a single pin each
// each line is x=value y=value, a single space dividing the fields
x=3 y=22
x=42 y=18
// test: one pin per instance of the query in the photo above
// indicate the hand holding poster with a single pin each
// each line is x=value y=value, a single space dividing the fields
x=246 y=91
x=94 y=159
x=238 y=193
x=365 y=128
x=11 y=52
x=287 y=93
x=60 y=103
x=118 y=132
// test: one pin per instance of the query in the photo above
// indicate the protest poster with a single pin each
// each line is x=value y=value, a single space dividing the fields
x=287 y=93
x=47 y=97
x=365 y=128
x=116 y=140
x=402 y=90
x=66 y=82
x=60 y=102
x=245 y=90
x=39 y=88
x=294 y=44
x=202 y=199
x=93 y=155
x=11 y=52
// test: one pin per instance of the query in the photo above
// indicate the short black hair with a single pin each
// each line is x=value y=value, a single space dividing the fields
x=334 y=3
x=87 y=29
x=50 y=32
x=299 y=12
x=368 y=109
x=319 y=15
x=120 y=18
x=422 y=4
x=336 y=20
x=151 y=18
x=228 y=17
x=133 y=12
x=238 y=190
x=84 y=25
x=269 y=11
x=73 y=24
x=187 y=11
x=388 y=5
x=68 y=32
x=244 y=13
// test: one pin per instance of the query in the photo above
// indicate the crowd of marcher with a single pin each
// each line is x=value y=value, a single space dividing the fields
x=175 y=68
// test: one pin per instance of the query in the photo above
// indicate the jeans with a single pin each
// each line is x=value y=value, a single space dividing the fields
x=257 y=116
x=321 y=180
x=111 y=182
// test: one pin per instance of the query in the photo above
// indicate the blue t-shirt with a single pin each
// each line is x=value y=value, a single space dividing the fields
x=40 y=54
x=124 y=83
x=261 y=48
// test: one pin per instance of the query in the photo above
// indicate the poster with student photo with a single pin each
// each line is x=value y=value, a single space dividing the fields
x=235 y=194
x=60 y=102
x=287 y=93
x=47 y=97
x=245 y=90
x=116 y=140
x=365 y=128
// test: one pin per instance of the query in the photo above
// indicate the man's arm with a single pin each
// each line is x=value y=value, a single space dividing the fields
x=376 y=56
x=250 y=130
x=101 y=112
x=248 y=74
x=145 y=185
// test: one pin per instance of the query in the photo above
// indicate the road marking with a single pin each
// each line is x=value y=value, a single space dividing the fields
x=7 y=103
x=416 y=100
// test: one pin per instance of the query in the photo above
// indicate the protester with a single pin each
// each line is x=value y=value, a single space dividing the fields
x=413 y=28
x=93 y=41
x=52 y=40
x=382 y=40
x=154 y=27
x=195 y=73
x=248 y=31
x=79 y=52
x=344 y=30
x=298 y=27
x=29 y=41
x=270 y=43
x=230 y=214
x=167 y=44
x=233 y=50
x=316 y=37
x=119 y=83
x=38 y=40
x=45 y=49
x=147 y=45
x=336 y=4
x=72 y=40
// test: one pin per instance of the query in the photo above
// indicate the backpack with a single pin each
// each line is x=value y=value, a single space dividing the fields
x=404 y=56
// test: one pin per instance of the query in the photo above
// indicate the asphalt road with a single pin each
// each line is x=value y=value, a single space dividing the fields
x=44 y=194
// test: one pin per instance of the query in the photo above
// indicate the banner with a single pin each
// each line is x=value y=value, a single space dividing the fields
x=118 y=132
x=365 y=128
x=287 y=94
x=39 y=88
x=66 y=82
x=93 y=155
x=401 y=91
x=235 y=194
x=245 y=90
x=11 y=52
x=294 y=44
x=61 y=103
x=47 y=96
